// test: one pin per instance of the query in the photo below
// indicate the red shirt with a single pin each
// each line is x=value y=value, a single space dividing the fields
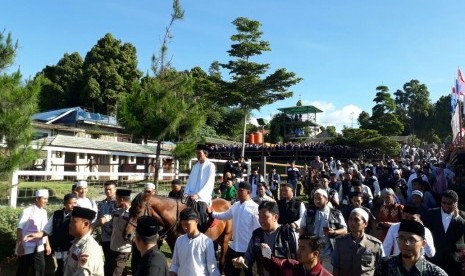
x=290 y=267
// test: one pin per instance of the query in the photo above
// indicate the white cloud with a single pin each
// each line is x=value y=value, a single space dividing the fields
x=331 y=116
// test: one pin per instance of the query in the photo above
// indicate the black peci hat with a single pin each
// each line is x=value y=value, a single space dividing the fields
x=85 y=213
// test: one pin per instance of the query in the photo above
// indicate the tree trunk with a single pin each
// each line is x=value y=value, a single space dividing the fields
x=244 y=133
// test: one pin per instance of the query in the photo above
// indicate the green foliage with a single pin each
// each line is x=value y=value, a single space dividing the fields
x=331 y=130
x=63 y=83
x=248 y=89
x=109 y=71
x=7 y=50
x=366 y=139
x=18 y=103
x=8 y=223
x=441 y=117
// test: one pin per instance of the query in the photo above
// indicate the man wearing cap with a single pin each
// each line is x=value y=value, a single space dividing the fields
x=447 y=227
x=199 y=187
x=83 y=200
x=291 y=209
x=410 y=261
x=390 y=245
x=176 y=189
x=273 y=181
x=333 y=196
x=105 y=211
x=293 y=175
x=428 y=198
x=120 y=248
x=194 y=253
x=254 y=179
x=244 y=214
x=57 y=229
x=153 y=262
x=356 y=253
x=417 y=202
x=32 y=220
x=325 y=222
x=149 y=189
x=85 y=257
x=389 y=213
x=356 y=200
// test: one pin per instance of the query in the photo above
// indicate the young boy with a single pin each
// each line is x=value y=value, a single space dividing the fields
x=193 y=253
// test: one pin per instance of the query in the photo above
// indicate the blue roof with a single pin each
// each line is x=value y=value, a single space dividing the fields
x=73 y=115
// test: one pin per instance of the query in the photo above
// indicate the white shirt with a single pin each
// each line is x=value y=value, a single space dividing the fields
x=390 y=242
x=446 y=218
x=194 y=256
x=88 y=203
x=245 y=220
x=201 y=181
x=33 y=220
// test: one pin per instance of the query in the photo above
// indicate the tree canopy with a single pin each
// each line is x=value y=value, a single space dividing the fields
x=249 y=88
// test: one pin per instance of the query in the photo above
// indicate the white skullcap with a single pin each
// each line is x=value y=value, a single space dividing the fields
x=396 y=172
x=82 y=184
x=418 y=193
x=361 y=212
x=41 y=193
x=387 y=191
x=321 y=192
x=338 y=162
x=149 y=185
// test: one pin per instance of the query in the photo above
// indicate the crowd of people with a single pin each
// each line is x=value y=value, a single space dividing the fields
x=393 y=217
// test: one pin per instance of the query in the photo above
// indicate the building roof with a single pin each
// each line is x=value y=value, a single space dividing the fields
x=216 y=141
x=300 y=109
x=72 y=115
x=98 y=144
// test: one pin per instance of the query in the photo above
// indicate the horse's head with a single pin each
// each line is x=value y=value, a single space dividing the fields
x=140 y=206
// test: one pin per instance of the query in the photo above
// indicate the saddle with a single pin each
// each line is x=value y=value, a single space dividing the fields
x=206 y=220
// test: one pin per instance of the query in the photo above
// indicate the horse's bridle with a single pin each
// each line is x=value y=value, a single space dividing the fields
x=171 y=229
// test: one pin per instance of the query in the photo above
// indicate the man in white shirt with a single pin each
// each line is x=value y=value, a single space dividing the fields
x=194 y=253
x=83 y=201
x=244 y=213
x=199 y=187
x=390 y=244
x=31 y=253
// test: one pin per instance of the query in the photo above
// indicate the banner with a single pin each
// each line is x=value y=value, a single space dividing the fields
x=455 y=124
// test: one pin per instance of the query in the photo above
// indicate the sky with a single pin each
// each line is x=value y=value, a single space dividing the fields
x=343 y=50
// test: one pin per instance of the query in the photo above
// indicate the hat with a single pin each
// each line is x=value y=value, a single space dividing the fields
x=123 y=192
x=149 y=185
x=188 y=214
x=387 y=191
x=245 y=185
x=41 y=193
x=85 y=213
x=361 y=212
x=147 y=226
x=81 y=183
x=321 y=192
x=73 y=187
x=176 y=182
x=288 y=185
x=413 y=227
x=201 y=147
x=69 y=196
x=409 y=209
x=338 y=162
x=418 y=193
x=396 y=172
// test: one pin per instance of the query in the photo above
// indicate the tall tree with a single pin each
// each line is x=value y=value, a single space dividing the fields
x=248 y=88
x=441 y=117
x=163 y=106
x=413 y=107
x=110 y=69
x=17 y=105
x=383 y=118
x=63 y=82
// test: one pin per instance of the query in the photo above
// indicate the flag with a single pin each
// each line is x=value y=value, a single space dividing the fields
x=460 y=84
x=453 y=99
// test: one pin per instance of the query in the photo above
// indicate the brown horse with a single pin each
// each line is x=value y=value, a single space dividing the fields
x=166 y=211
